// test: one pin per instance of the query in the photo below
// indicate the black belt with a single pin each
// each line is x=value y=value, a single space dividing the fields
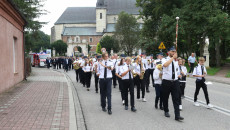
x=170 y=80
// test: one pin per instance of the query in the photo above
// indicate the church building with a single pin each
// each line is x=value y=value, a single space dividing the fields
x=85 y=26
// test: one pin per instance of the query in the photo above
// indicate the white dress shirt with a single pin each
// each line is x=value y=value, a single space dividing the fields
x=184 y=70
x=197 y=71
x=156 y=77
x=151 y=65
x=87 y=68
x=101 y=69
x=123 y=69
x=137 y=68
x=167 y=71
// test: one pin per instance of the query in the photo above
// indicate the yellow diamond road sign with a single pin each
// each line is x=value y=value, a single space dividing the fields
x=162 y=46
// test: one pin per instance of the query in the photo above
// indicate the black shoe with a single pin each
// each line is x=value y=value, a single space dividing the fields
x=162 y=108
x=147 y=91
x=126 y=108
x=156 y=106
x=167 y=114
x=96 y=91
x=104 y=109
x=133 y=109
x=114 y=86
x=109 y=112
x=179 y=118
x=87 y=89
x=182 y=97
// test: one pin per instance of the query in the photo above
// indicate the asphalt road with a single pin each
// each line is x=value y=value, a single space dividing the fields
x=149 y=118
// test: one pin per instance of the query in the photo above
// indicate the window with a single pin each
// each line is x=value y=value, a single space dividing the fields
x=100 y=15
x=91 y=39
x=77 y=39
x=69 y=40
x=14 y=54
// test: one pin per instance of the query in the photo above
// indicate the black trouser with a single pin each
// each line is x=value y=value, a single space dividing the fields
x=201 y=84
x=48 y=65
x=114 y=78
x=182 y=85
x=83 y=77
x=88 y=79
x=105 y=88
x=191 y=67
x=66 y=67
x=96 y=82
x=77 y=74
x=173 y=88
x=121 y=87
x=128 y=85
x=140 y=86
x=146 y=77
x=54 y=66
x=80 y=74
x=150 y=73
x=159 y=94
x=57 y=65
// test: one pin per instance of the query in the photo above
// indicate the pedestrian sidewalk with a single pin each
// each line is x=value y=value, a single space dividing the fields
x=214 y=78
x=44 y=101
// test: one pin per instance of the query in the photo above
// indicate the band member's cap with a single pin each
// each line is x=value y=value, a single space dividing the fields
x=162 y=54
x=98 y=56
x=172 y=48
x=123 y=55
x=85 y=57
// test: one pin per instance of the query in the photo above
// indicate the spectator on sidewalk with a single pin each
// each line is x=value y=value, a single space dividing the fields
x=191 y=62
x=48 y=61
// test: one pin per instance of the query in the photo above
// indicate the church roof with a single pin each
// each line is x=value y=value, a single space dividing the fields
x=80 y=31
x=78 y=15
x=117 y=6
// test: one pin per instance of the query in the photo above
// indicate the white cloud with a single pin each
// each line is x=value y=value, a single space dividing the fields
x=57 y=7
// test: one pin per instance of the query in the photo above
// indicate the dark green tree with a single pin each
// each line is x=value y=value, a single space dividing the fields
x=109 y=43
x=60 y=47
x=31 y=10
x=37 y=40
x=127 y=32
x=98 y=49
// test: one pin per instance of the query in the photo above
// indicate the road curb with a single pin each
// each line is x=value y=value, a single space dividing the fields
x=79 y=115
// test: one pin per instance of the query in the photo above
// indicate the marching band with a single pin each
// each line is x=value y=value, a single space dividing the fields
x=167 y=75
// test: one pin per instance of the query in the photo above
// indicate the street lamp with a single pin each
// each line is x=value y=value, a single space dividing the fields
x=177 y=18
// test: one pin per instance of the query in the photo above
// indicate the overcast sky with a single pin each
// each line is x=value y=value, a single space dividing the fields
x=57 y=7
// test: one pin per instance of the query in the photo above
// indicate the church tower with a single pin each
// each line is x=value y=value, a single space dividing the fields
x=101 y=16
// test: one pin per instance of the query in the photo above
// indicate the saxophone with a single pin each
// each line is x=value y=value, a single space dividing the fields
x=142 y=72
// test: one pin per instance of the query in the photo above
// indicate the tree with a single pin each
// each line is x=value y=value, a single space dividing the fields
x=89 y=48
x=31 y=11
x=109 y=43
x=60 y=47
x=98 y=49
x=36 y=40
x=79 y=49
x=127 y=32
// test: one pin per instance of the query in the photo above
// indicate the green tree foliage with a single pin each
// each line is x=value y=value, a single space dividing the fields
x=60 y=47
x=79 y=49
x=109 y=43
x=98 y=49
x=89 y=48
x=35 y=41
x=31 y=10
x=198 y=19
x=127 y=32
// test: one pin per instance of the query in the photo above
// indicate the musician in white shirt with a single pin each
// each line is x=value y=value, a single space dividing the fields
x=139 y=79
x=170 y=83
x=118 y=74
x=105 y=68
x=200 y=72
x=127 y=79
x=88 y=68
x=157 y=75
x=182 y=77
